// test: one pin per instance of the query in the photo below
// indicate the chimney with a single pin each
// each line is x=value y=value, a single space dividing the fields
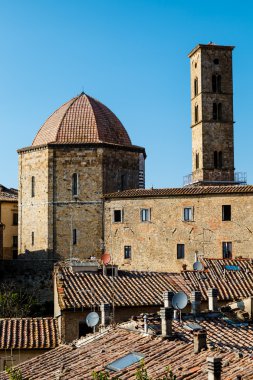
x=145 y=320
x=195 y=299
x=212 y=299
x=248 y=306
x=167 y=299
x=214 y=368
x=199 y=341
x=166 y=321
x=105 y=314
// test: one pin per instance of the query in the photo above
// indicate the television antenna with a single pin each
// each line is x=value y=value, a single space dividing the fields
x=197 y=266
x=92 y=320
x=179 y=301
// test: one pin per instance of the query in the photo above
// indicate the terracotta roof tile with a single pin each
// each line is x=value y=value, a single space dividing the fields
x=28 y=333
x=231 y=285
x=76 y=290
x=82 y=120
x=191 y=191
x=6 y=194
x=96 y=352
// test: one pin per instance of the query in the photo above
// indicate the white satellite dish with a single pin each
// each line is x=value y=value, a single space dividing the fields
x=179 y=300
x=198 y=265
x=92 y=319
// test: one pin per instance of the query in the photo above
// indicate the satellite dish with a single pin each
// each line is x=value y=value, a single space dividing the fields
x=179 y=300
x=198 y=265
x=106 y=258
x=92 y=319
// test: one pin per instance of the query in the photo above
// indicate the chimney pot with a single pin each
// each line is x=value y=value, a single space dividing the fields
x=105 y=314
x=195 y=299
x=212 y=299
x=214 y=368
x=167 y=298
x=199 y=340
x=166 y=321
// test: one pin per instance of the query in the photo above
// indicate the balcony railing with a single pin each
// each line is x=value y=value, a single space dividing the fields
x=240 y=178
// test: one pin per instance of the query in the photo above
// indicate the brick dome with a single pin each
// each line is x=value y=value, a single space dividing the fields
x=82 y=120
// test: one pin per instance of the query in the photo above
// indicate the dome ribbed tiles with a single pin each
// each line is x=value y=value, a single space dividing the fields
x=82 y=120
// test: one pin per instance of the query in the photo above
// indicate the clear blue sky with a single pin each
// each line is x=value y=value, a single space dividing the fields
x=132 y=56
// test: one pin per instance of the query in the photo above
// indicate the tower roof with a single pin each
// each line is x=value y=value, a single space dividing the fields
x=82 y=120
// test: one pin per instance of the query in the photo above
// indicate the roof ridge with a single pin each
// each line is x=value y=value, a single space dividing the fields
x=71 y=102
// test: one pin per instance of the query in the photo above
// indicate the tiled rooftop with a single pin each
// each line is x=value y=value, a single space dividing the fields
x=190 y=191
x=130 y=288
x=28 y=333
x=96 y=352
x=82 y=120
x=10 y=195
x=231 y=285
x=77 y=290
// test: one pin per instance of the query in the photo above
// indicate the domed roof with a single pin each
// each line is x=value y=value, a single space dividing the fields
x=82 y=120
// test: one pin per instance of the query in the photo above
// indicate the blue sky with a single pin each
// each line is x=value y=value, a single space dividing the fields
x=132 y=56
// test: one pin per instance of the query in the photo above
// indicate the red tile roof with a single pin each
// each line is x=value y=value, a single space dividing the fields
x=28 y=333
x=179 y=191
x=231 y=285
x=82 y=120
x=96 y=352
x=76 y=290
x=131 y=288
x=10 y=195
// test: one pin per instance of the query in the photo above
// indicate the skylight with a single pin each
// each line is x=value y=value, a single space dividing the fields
x=232 y=267
x=125 y=361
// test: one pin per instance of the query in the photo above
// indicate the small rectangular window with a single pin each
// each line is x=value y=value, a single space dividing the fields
x=127 y=252
x=33 y=187
x=227 y=250
x=180 y=251
x=226 y=212
x=145 y=214
x=117 y=216
x=15 y=219
x=74 y=236
x=188 y=214
x=32 y=238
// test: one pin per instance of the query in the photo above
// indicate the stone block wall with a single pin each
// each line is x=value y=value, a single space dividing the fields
x=154 y=243
x=49 y=219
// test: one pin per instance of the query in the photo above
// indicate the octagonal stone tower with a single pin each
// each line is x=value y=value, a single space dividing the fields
x=81 y=152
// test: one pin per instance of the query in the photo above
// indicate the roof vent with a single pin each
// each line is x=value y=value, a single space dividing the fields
x=89 y=265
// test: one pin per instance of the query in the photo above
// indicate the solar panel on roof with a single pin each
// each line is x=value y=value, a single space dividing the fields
x=125 y=361
x=192 y=326
x=232 y=267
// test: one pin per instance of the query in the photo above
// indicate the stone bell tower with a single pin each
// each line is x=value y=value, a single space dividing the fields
x=212 y=115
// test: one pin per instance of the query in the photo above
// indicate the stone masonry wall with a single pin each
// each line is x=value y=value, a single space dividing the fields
x=54 y=212
x=154 y=243
x=33 y=211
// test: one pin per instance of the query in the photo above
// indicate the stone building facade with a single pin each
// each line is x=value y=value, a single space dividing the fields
x=163 y=229
x=8 y=223
x=80 y=153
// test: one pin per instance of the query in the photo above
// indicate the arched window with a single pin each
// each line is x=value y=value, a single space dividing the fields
x=197 y=160
x=219 y=116
x=74 y=184
x=216 y=83
x=196 y=113
x=33 y=186
x=220 y=160
x=215 y=159
x=196 y=86
x=218 y=78
x=215 y=111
